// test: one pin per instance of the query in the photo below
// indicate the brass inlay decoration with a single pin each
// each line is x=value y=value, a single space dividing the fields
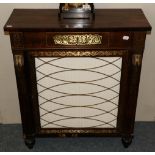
x=83 y=39
x=77 y=53
x=19 y=60
x=77 y=131
x=137 y=59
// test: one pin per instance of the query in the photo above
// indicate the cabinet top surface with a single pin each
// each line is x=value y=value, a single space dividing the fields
x=105 y=20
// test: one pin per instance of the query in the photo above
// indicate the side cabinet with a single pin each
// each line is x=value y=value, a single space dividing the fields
x=77 y=83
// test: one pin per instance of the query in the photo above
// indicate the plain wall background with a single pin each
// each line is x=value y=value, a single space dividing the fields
x=9 y=107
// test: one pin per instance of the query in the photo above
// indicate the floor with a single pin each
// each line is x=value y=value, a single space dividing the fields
x=144 y=140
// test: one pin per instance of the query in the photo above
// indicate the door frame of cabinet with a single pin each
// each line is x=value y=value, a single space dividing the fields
x=30 y=56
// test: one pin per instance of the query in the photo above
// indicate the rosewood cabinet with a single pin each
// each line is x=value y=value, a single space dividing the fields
x=75 y=77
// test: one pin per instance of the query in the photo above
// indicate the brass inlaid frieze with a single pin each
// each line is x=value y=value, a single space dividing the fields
x=83 y=39
x=76 y=131
x=78 y=53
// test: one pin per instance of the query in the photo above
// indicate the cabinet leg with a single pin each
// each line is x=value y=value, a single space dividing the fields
x=29 y=141
x=127 y=140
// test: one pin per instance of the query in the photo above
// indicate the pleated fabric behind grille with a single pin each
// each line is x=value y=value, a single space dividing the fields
x=78 y=92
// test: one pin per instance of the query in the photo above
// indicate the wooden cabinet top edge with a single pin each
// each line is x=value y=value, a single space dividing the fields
x=105 y=20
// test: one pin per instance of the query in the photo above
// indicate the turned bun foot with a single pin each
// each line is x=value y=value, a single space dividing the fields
x=29 y=142
x=126 y=141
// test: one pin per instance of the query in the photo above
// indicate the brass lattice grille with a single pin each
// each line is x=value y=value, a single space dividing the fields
x=78 y=91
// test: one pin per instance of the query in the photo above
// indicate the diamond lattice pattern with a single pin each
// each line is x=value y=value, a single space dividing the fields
x=78 y=92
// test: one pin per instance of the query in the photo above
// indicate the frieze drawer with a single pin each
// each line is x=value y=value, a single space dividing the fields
x=27 y=40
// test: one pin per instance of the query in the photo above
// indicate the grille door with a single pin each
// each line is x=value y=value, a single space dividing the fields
x=78 y=92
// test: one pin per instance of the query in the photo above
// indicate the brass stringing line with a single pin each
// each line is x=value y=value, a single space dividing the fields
x=76 y=127
x=81 y=117
x=108 y=63
x=47 y=62
x=110 y=88
x=51 y=100
x=78 y=118
x=47 y=123
x=53 y=122
x=85 y=117
x=108 y=123
x=74 y=95
x=99 y=109
x=79 y=106
x=106 y=76
x=103 y=123
x=49 y=88
x=49 y=75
